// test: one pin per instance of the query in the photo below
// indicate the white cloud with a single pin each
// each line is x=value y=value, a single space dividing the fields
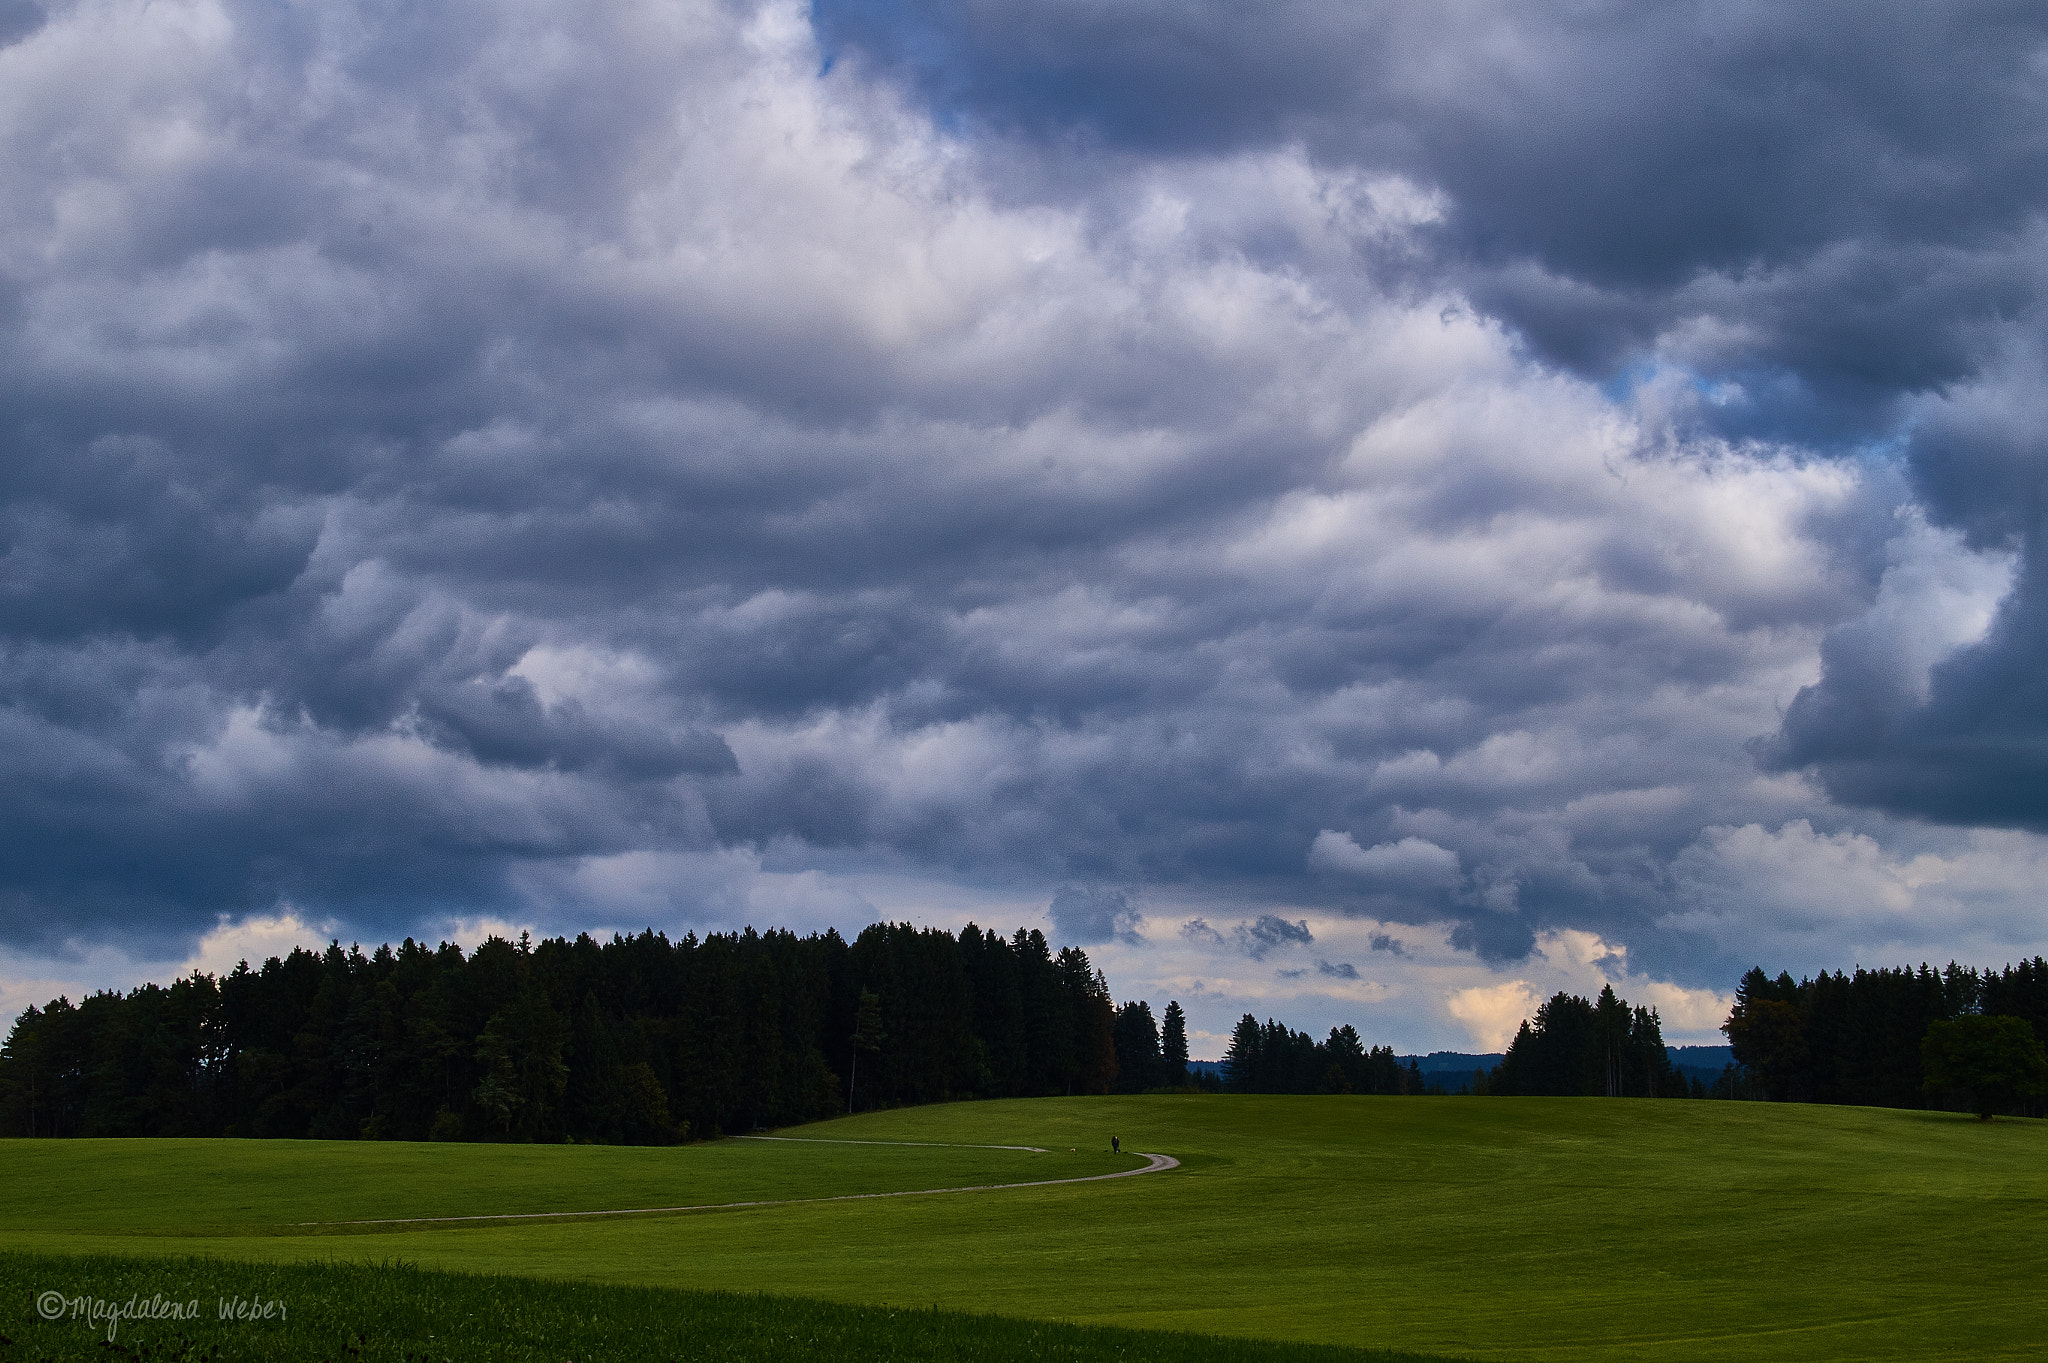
x=1492 y=1013
x=256 y=939
x=1804 y=899
x=1411 y=863
x=33 y=980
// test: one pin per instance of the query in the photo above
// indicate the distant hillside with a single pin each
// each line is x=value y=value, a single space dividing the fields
x=1451 y=1062
x=1464 y=1062
x=1703 y=1063
x=1706 y=1061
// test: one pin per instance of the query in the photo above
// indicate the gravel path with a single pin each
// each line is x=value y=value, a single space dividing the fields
x=1153 y=1164
x=937 y=1145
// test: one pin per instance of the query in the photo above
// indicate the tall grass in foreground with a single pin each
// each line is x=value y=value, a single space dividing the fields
x=359 y=1313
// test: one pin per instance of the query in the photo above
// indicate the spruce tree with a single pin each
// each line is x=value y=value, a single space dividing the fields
x=1243 y=1069
x=1173 y=1045
x=1137 y=1048
x=1611 y=1019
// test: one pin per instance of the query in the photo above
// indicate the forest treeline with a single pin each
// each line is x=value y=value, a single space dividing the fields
x=1274 y=1058
x=639 y=1039
x=645 y=1040
x=1860 y=1038
x=1604 y=1048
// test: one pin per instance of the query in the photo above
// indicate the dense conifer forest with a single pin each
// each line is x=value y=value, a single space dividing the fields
x=1859 y=1038
x=1604 y=1048
x=1274 y=1058
x=636 y=1040
x=1856 y=1038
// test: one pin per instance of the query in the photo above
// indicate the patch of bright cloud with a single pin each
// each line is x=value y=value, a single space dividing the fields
x=1410 y=863
x=1492 y=1013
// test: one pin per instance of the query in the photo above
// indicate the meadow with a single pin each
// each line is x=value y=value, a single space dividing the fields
x=1490 y=1229
x=385 y=1313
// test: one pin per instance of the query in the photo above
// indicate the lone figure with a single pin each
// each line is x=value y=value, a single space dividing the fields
x=1116 y=1145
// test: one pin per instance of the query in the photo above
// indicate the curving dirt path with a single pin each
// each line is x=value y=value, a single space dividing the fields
x=1154 y=1164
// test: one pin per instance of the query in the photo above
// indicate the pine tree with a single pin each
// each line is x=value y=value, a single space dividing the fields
x=1610 y=1020
x=1243 y=1068
x=1344 y=1070
x=1138 y=1061
x=1173 y=1045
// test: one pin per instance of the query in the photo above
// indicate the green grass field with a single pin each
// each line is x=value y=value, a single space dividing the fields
x=363 y=1313
x=212 y=1188
x=1495 y=1229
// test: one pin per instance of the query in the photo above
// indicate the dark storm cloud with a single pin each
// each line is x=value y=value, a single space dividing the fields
x=1257 y=939
x=18 y=19
x=1085 y=916
x=1495 y=939
x=1269 y=932
x=1823 y=212
x=1960 y=740
x=1848 y=184
x=1973 y=750
x=473 y=464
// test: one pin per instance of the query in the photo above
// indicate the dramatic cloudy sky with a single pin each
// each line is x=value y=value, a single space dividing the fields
x=1357 y=510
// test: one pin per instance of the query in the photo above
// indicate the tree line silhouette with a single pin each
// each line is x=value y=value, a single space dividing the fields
x=1274 y=1058
x=1862 y=1038
x=645 y=1040
x=1957 y=1038
x=638 y=1039
x=1605 y=1048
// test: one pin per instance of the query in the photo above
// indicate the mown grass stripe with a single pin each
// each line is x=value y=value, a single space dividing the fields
x=1155 y=1164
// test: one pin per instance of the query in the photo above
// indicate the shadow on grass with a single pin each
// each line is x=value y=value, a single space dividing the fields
x=62 y=1308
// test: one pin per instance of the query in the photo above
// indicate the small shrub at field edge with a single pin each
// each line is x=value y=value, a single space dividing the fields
x=359 y=1313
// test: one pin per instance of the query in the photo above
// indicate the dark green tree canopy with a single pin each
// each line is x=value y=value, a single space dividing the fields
x=1273 y=1058
x=1861 y=1037
x=637 y=1039
x=1993 y=1062
x=1604 y=1048
x=1173 y=1045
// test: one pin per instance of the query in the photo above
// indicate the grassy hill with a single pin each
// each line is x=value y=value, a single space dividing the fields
x=1510 y=1229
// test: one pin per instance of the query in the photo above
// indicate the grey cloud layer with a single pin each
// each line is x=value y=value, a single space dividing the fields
x=454 y=463
x=1830 y=216
x=1852 y=185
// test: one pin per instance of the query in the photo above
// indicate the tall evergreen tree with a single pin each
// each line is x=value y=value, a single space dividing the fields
x=1345 y=1070
x=1138 y=1064
x=1572 y=1047
x=1173 y=1044
x=1243 y=1067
